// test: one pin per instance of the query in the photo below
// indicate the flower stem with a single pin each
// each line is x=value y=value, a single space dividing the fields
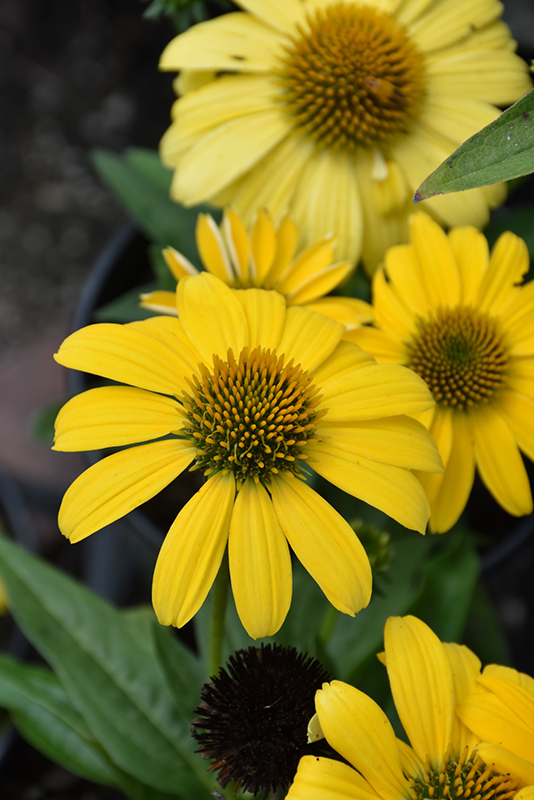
x=218 y=614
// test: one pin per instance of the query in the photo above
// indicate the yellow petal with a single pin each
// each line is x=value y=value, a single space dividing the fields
x=518 y=412
x=471 y=252
x=320 y=283
x=465 y=669
x=393 y=490
x=509 y=262
x=262 y=245
x=161 y=302
x=390 y=312
x=455 y=486
x=266 y=315
x=406 y=281
x=350 y=311
x=260 y=564
x=192 y=552
x=138 y=354
x=375 y=390
x=178 y=264
x=325 y=779
x=499 y=462
x=441 y=431
x=236 y=147
x=318 y=256
x=328 y=200
x=324 y=543
x=211 y=248
x=309 y=338
x=439 y=271
x=357 y=728
x=237 y=242
x=111 y=416
x=284 y=17
x=346 y=358
x=506 y=762
x=384 y=346
x=229 y=43
x=399 y=441
x=421 y=683
x=212 y=316
x=286 y=244
x=119 y=483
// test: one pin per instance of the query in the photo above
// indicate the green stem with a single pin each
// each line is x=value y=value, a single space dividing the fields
x=218 y=614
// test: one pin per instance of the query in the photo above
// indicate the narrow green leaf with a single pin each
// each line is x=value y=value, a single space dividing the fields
x=108 y=669
x=43 y=713
x=502 y=150
x=182 y=670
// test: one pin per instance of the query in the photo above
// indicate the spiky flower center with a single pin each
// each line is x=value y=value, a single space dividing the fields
x=254 y=714
x=466 y=777
x=253 y=416
x=351 y=77
x=461 y=356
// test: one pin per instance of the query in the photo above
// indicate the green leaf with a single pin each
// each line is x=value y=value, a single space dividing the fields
x=502 y=150
x=44 y=715
x=105 y=660
x=182 y=671
x=142 y=184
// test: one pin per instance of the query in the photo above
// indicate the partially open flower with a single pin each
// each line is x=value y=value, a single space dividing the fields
x=265 y=257
x=254 y=715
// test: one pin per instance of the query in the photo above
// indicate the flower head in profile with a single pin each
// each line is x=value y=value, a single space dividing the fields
x=254 y=714
x=337 y=110
x=458 y=316
x=445 y=760
x=265 y=258
x=249 y=392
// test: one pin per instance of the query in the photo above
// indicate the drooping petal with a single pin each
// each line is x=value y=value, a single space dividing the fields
x=192 y=552
x=499 y=462
x=260 y=564
x=357 y=728
x=119 y=483
x=421 y=682
x=456 y=484
x=518 y=412
x=236 y=147
x=212 y=316
x=309 y=338
x=325 y=779
x=324 y=543
x=111 y=416
x=393 y=490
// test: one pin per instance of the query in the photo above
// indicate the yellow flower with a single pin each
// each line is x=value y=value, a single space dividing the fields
x=456 y=315
x=500 y=710
x=265 y=259
x=248 y=391
x=337 y=110
x=444 y=759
